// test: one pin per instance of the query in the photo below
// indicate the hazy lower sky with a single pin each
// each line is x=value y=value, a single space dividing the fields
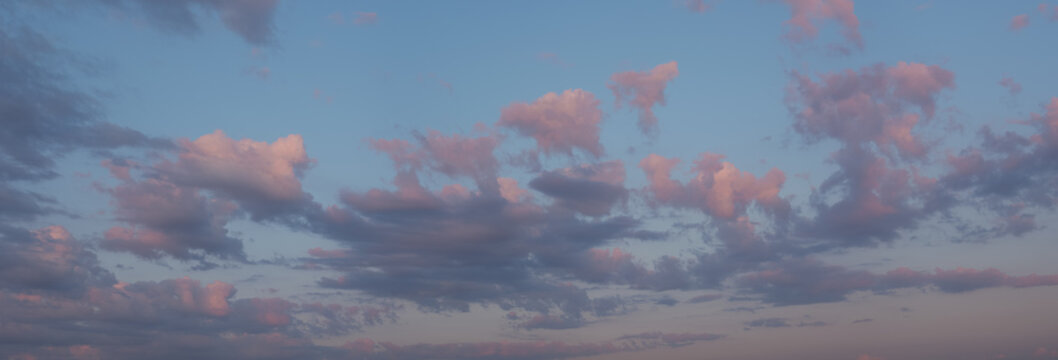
x=686 y=179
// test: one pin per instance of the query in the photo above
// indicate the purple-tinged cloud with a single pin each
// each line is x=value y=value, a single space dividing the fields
x=559 y=123
x=253 y=20
x=1019 y=22
x=806 y=14
x=643 y=90
x=590 y=189
x=1012 y=86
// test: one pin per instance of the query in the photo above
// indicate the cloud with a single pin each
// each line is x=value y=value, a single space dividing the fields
x=46 y=115
x=1007 y=173
x=181 y=207
x=705 y=298
x=644 y=90
x=537 y=350
x=698 y=6
x=264 y=178
x=253 y=20
x=559 y=123
x=49 y=281
x=167 y=219
x=808 y=281
x=1012 y=86
x=590 y=189
x=50 y=260
x=455 y=156
x=365 y=18
x=806 y=14
x=1019 y=22
x=781 y=323
x=718 y=188
x=874 y=106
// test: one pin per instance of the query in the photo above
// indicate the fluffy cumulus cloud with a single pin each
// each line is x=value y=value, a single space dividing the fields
x=559 y=123
x=644 y=90
x=264 y=178
x=873 y=114
x=181 y=208
x=718 y=187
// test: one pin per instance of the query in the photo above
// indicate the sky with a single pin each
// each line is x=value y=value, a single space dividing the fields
x=686 y=179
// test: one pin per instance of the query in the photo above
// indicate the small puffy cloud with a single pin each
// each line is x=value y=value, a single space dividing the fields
x=1012 y=86
x=1019 y=22
x=644 y=90
x=559 y=123
x=805 y=16
x=365 y=18
x=264 y=178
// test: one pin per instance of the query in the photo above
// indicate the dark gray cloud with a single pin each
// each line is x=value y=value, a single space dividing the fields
x=57 y=302
x=807 y=281
x=591 y=189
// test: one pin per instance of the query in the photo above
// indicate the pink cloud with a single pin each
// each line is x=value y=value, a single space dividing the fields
x=553 y=58
x=84 y=352
x=919 y=84
x=410 y=195
x=167 y=219
x=559 y=123
x=718 y=188
x=644 y=90
x=1012 y=86
x=1019 y=22
x=271 y=312
x=454 y=156
x=805 y=15
x=184 y=294
x=365 y=18
x=249 y=171
x=698 y=6
x=510 y=190
x=870 y=105
x=1049 y=123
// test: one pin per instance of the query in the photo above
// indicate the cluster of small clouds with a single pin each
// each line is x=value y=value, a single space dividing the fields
x=484 y=238
x=1046 y=11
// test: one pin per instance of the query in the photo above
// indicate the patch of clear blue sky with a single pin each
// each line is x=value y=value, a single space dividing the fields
x=383 y=78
